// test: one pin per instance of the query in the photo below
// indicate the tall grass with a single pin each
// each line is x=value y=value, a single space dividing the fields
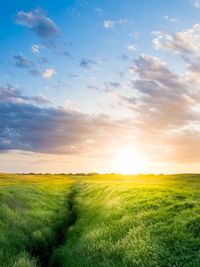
x=33 y=209
x=139 y=221
x=99 y=221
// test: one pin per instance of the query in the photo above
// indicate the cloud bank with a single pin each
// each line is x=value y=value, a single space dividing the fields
x=26 y=124
x=165 y=104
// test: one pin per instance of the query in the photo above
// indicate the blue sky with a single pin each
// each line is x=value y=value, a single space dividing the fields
x=83 y=36
x=99 y=62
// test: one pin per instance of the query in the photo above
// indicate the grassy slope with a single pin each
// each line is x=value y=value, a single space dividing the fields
x=32 y=210
x=140 y=221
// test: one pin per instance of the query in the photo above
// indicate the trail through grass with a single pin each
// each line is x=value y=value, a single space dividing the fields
x=33 y=213
x=99 y=221
x=140 y=221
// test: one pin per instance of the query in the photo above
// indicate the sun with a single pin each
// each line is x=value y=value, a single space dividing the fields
x=128 y=161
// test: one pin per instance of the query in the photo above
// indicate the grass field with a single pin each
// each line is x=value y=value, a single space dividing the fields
x=33 y=210
x=100 y=220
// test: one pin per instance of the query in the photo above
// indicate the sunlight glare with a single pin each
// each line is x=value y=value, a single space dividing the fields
x=128 y=161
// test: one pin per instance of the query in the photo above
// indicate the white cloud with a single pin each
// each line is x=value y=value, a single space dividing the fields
x=109 y=24
x=48 y=73
x=184 y=43
x=131 y=47
x=35 y=49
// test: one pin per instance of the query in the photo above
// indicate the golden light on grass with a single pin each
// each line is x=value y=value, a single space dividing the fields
x=128 y=161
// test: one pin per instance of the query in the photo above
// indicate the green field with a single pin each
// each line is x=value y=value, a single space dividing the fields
x=99 y=220
x=33 y=213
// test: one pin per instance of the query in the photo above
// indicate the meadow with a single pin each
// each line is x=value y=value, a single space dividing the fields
x=34 y=210
x=100 y=220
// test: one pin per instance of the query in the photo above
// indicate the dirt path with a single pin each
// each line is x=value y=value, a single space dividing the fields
x=46 y=258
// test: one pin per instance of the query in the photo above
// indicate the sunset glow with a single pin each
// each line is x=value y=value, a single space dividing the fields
x=82 y=81
x=128 y=161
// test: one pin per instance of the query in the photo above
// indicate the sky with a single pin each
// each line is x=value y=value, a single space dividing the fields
x=100 y=86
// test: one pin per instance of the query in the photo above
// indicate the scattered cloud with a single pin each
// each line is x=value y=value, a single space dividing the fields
x=87 y=63
x=12 y=94
x=35 y=49
x=131 y=47
x=48 y=73
x=171 y=19
x=184 y=43
x=109 y=24
x=34 y=69
x=35 y=72
x=38 y=22
x=21 y=62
